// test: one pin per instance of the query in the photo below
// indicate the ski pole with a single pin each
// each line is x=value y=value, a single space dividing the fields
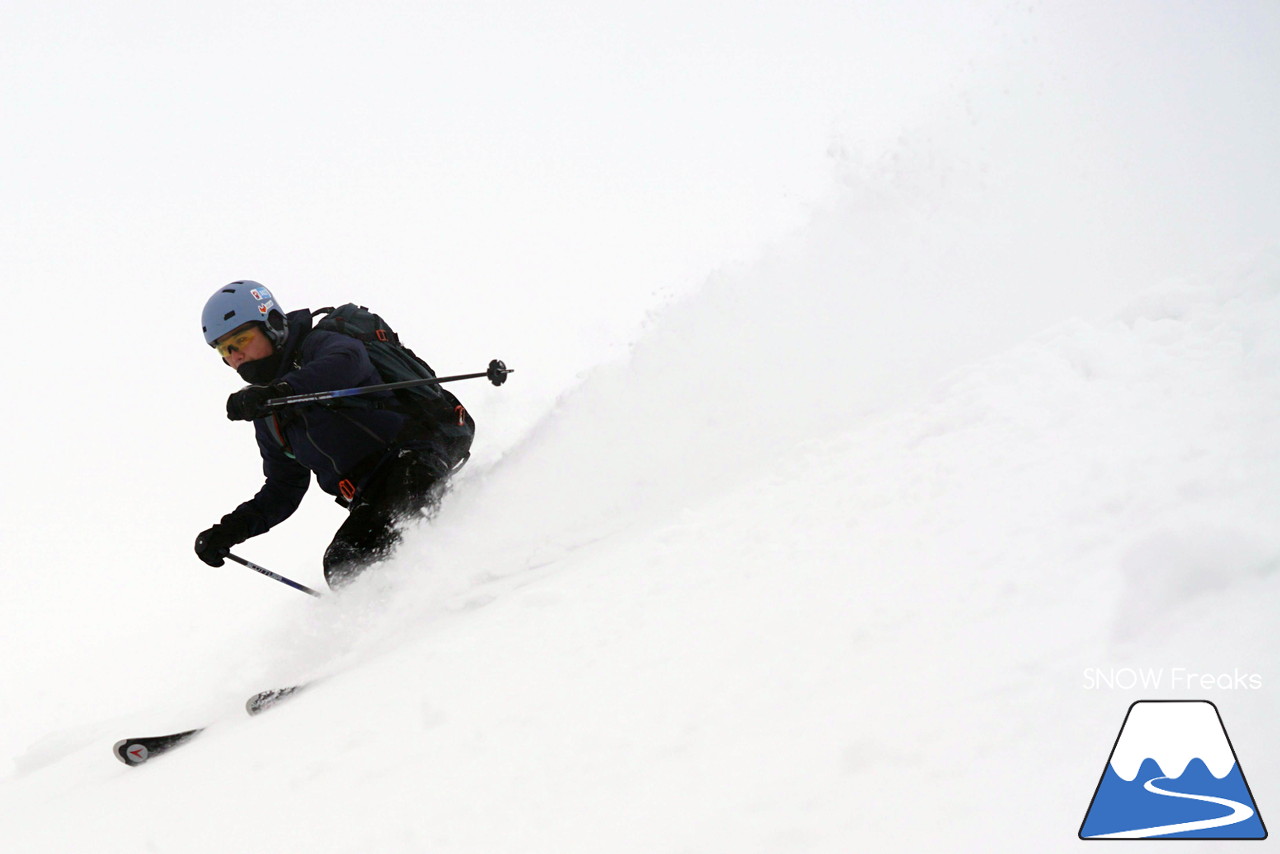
x=269 y=574
x=497 y=374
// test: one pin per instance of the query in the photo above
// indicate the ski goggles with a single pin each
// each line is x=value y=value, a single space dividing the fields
x=235 y=341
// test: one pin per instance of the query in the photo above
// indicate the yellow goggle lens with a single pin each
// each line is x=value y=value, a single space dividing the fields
x=235 y=341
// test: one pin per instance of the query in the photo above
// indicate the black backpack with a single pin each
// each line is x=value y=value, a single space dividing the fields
x=430 y=405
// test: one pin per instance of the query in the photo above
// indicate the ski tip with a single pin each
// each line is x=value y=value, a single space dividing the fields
x=135 y=751
x=264 y=700
x=131 y=753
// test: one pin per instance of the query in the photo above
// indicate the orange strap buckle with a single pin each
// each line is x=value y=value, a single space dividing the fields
x=347 y=489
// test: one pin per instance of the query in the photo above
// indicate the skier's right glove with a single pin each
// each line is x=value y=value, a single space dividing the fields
x=213 y=545
x=251 y=402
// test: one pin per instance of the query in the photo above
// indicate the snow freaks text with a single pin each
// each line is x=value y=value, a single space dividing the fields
x=1168 y=678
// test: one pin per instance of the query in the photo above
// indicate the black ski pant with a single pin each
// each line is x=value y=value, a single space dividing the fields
x=411 y=483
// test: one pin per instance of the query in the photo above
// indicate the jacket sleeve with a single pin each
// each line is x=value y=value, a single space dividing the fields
x=331 y=361
x=286 y=482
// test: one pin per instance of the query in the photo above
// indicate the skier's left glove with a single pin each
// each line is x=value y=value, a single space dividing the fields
x=214 y=544
x=251 y=402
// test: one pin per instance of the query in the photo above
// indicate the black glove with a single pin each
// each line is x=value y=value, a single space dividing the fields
x=251 y=402
x=214 y=544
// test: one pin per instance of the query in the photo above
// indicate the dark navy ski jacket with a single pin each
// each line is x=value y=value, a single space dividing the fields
x=332 y=444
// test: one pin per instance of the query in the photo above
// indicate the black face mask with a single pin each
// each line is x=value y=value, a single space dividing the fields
x=260 y=371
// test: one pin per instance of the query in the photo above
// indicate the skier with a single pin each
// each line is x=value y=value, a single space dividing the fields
x=383 y=465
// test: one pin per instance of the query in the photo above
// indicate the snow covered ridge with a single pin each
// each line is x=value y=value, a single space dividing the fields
x=861 y=607
x=1162 y=415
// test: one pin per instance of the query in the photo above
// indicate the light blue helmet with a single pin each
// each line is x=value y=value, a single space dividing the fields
x=239 y=303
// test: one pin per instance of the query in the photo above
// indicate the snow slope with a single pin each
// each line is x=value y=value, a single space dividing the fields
x=825 y=557
x=772 y=633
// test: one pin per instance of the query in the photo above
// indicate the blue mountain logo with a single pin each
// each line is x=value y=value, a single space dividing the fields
x=1173 y=774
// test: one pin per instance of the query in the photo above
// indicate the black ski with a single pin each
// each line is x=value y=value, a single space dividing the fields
x=264 y=700
x=135 y=751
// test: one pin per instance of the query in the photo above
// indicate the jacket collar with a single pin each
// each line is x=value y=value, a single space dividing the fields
x=283 y=360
